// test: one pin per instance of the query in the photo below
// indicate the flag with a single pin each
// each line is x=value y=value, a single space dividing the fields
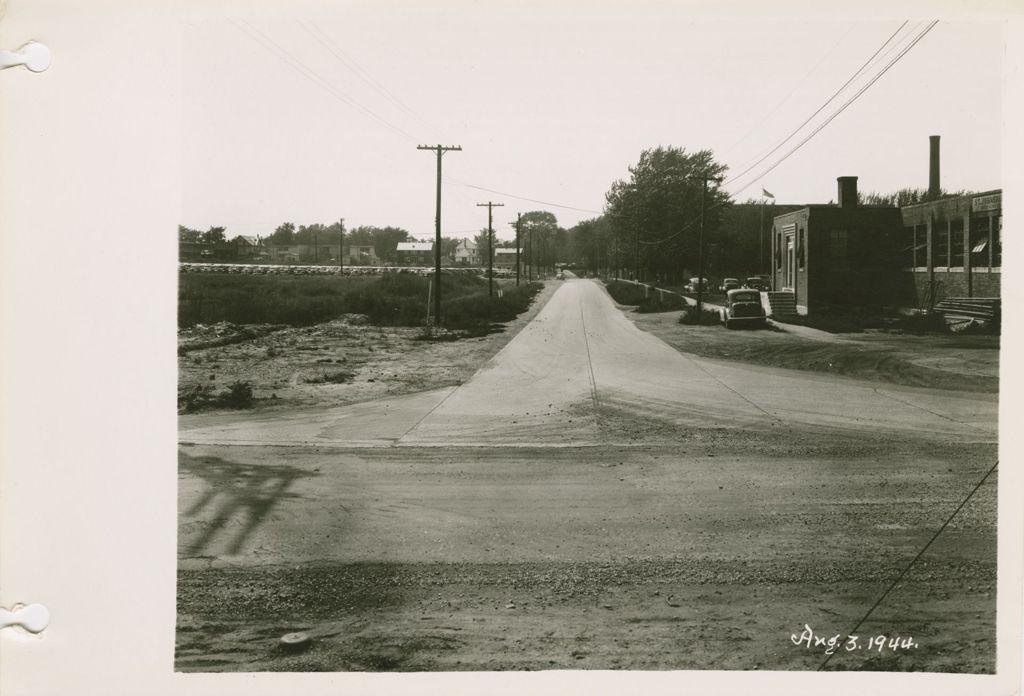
x=764 y=192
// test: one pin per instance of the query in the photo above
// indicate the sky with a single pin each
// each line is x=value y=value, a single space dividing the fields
x=315 y=115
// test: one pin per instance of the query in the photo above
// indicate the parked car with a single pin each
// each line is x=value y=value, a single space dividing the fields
x=758 y=283
x=742 y=306
x=696 y=283
x=729 y=284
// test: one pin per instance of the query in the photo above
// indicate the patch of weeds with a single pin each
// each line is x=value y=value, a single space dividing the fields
x=658 y=302
x=197 y=397
x=707 y=317
x=338 y=377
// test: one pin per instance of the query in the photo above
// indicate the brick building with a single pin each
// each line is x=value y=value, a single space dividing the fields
x=952 y=247
x=841 y=255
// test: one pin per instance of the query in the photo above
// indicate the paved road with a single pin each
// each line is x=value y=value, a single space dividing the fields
x=580 y=358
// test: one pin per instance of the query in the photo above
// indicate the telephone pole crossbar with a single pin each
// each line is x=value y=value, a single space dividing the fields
x=490 y=243
x=440 y=150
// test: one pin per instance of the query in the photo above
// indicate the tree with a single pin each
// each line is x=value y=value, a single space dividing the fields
x=187 y=235
x=311 y=234
x=587 y=245
x=654 y=217
x=214 y=235
x=539 y=236
x=384 y=240
x=907 y=196
x=284 y=234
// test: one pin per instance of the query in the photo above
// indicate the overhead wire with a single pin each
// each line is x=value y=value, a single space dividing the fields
x=821 y=108
x=300 y=67
x=325 y=40
x=796 y=87
x=814 y=132
x=843 y=108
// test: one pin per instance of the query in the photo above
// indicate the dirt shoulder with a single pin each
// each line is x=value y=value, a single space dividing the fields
x=619 y=559
x=961 y=363
x=335 y=363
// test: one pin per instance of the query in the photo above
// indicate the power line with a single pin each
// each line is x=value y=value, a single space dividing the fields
x=843 y=108
x=301 y=68
x=522 y=198
x=915 y=559
x=822 y=107
x=796 y=87
x=817 y=129
x=327 y=42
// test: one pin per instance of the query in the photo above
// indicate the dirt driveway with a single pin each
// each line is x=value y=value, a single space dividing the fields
x=575 y=506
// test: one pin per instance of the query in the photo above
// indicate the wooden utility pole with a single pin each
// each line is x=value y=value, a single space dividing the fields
x=440 y=150
x=341 y=244
x=529 y=258
x=704 y=179
x=490 y=244
x=519 y=219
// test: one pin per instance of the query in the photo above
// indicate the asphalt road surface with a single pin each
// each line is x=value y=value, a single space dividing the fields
x=591 y=498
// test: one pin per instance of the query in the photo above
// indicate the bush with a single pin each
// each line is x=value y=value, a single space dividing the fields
x=398 y=299
x=197 y=397
x=238 y=395
x=481 y=310
x=625 y=293
x=707 y=317
x=658 y=303
x=339 y=377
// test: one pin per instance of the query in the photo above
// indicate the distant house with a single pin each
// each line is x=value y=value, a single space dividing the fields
x=361 y=255
x=506 y=258
x=247 y=247
x=466 y=253
x=415 y=253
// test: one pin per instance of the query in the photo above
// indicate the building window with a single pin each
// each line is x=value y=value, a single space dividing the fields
x=801 y=248
x=979 y=242
x=940 y=244
x=837 y=248
x=920 y=246
x=956 y=242
x=909 y=247
x=997 y=243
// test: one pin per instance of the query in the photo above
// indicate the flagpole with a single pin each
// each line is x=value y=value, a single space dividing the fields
x=760 y=258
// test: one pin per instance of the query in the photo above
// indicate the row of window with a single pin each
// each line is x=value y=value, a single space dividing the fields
x=984 y=246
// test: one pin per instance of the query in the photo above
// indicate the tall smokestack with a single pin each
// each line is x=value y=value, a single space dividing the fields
x=933 y=165
x=847 y=191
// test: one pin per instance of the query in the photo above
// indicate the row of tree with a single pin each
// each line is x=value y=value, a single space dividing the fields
x=650 y=229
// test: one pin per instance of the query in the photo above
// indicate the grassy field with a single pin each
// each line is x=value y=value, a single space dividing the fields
x=391 y=300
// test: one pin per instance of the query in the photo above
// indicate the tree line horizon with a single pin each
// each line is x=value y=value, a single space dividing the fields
x=648 y=231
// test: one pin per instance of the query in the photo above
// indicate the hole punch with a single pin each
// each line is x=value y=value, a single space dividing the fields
x=33 y=55
x=34 y=618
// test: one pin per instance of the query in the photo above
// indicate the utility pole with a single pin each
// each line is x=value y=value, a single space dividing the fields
x=704 y=178
x=490 y=244
x=519 y=219
x=529 y=258
x=341 y=244
x=440 y=150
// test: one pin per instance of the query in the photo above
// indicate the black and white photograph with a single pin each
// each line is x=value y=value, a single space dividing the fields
x=529 y=339
x=552 y=337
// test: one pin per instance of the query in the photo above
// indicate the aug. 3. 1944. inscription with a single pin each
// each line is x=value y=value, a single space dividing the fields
x=830 y=643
